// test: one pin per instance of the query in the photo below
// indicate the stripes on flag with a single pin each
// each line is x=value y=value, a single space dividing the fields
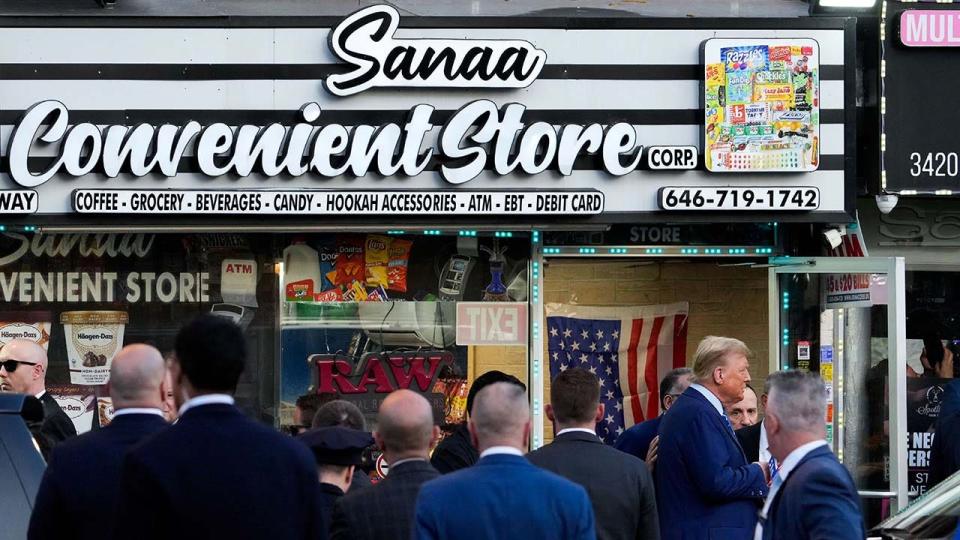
x=645 y=342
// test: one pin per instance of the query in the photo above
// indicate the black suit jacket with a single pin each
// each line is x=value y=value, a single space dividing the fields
x=455 y=452
x=78 y=492
x=750 y=441
x=384 y=511
x=55 y=428
x=217 y=474
x=945 y=451
x=619 y=484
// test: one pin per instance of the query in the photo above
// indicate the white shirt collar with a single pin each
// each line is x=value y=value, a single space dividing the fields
x=402 y=461
x=575 y=429
x=714 y=400
x=138 y=410
x=788 y=465
x=40 y=395
x=764 y=445
x=493 y=450
x=206 y=399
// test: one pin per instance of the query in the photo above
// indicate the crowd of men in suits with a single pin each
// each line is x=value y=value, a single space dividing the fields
x=215 y=473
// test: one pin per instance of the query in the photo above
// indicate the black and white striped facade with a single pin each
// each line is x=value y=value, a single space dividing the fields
x=261 y=70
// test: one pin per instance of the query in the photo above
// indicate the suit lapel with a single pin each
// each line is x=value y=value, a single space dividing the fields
x=718 y=420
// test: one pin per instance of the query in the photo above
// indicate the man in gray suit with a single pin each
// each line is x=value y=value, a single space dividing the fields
x=619 y=484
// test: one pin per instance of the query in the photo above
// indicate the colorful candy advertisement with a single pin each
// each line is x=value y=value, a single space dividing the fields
x=761 y=105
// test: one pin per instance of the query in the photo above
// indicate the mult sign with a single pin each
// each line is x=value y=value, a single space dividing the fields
x=402 y=122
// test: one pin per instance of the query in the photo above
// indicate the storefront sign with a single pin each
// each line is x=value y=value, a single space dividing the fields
x=332 y=202
x=366 y=41
x=930 y=28
x=378 y=103
x=762 y=105
x=491 y=323
x=334 y=150
x=18 y=201
x=918 y=153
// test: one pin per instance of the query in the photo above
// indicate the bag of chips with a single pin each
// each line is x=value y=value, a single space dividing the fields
x=349 y=265
x=397 y=265
x=376 y=260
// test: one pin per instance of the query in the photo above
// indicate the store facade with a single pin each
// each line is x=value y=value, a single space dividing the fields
x=386 y=202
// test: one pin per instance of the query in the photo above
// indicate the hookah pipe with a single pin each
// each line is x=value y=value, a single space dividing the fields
x=496 y=291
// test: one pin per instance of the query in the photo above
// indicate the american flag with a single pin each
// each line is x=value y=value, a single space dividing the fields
x=629 y=349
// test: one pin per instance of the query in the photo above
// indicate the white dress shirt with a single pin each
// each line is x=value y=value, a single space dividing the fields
x=206 y=399
x=138 y=410
x=494 y=450
x=788 y=465
x=574 y=429
x=764 y=445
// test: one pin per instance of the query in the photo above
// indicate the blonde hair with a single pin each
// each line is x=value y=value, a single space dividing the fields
x=711 y=354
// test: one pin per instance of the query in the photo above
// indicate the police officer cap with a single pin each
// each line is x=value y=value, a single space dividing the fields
x=337 y=445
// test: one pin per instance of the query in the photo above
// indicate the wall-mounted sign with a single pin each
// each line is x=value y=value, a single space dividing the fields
x=317 y=202
x=930 y=28
x=919 y=155
x=762 y=105
x=376 y=103
x=491 y=323
x=366 y=40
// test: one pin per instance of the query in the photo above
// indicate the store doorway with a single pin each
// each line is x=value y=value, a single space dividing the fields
x=665 y=306
x=845 y=319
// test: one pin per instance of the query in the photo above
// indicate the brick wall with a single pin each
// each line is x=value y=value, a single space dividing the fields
x=724 y=300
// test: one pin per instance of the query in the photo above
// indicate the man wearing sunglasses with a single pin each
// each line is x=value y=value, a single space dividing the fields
x=23 y=370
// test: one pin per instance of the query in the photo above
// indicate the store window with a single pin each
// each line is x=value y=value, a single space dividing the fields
x=355 y=315
x=83 y=296
x=364 y=314
x=933 y=361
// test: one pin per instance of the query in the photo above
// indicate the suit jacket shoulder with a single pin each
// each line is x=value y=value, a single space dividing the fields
x=500 y=495
x=619 y=484
x=173 y=484
x=817 y=500
x=81 y=484
x=383 y=511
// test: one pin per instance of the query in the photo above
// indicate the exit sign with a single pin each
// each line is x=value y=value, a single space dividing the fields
x=491 y=323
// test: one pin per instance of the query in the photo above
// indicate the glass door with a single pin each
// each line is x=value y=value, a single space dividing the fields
x=845 y=319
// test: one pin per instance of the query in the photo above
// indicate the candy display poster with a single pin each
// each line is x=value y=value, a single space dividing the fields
x=761 y=102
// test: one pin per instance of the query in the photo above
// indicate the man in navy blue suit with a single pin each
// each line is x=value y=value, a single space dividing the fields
x=812 y=494
x=79 y=489
x=216 y=473
x=706 y=489
x=503 y=496
x=639 y=438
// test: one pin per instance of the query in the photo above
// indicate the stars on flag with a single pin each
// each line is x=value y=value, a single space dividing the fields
x=590 y=345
